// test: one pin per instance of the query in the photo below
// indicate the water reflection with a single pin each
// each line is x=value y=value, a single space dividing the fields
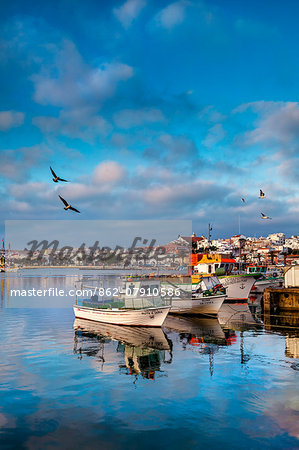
x=197 y=382
x=197 y=330
x=143 y=349
x=286 y=324
x=238 y=316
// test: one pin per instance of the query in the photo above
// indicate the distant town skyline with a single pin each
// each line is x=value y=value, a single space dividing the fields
x=152 y=110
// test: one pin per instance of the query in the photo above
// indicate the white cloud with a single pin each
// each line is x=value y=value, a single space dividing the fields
x=289 y=169
x=278 y=122
x=73 y=83
x=24 y=191
x=20 y=206
x=172 y=15
x=108 y=172
x=80 y=191
x=82 y=123
x=293 y=205
x=171 y=150
x=215 y=135
x=10 y=119
x=16 y=164
x=128 y=12
x=101 y=181
x=183 y=194
x=128 y=118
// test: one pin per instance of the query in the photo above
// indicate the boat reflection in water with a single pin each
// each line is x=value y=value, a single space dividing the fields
x=143 y=349
x=237 y=316
x=196 y=331
x=205 y=335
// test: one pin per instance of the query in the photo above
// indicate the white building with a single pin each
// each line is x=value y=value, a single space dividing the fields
x=292 y=242
x=277 y=238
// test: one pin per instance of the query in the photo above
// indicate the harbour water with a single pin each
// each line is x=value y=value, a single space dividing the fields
x=198 y=382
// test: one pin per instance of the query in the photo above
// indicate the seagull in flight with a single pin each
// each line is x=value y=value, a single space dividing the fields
x=262 y=194
x=56 y=178
x=243 y=200
x=67 y=205
x=265 y=217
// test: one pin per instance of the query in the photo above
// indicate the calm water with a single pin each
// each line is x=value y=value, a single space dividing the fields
x=198 y=383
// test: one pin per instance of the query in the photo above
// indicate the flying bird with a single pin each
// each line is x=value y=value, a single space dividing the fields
x=265 y=217
x=243 y=200
x=67 y=205
x=262 y=194
x=56 y=178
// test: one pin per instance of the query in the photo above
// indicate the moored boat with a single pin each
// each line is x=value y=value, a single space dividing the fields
x=204 y=295
x=143 y=317
x=266 y=276
x=237 y=285
x=197 y=305
x=144 y=311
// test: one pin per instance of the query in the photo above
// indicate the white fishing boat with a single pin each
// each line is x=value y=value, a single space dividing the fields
x=197 y=305
x=143 y=311
x=143 y=317
x=204 y=296
x=237 y=285
x=266 y=277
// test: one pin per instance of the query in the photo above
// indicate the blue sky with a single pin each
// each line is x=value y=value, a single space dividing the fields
x=153 y=110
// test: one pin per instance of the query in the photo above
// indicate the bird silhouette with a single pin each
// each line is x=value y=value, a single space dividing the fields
x=67 y=205
x=243 y=200
x=56 y=178
x=262 y=194
x=265 y=217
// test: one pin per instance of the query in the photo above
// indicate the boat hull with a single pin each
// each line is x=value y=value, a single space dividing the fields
x=200 y=305
x=149 y=317
x=237 y=287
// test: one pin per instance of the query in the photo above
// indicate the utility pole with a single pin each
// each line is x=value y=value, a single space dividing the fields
x=210 y=229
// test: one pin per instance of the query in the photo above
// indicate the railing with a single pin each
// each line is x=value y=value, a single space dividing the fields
x=132 y=303
x=92 y=300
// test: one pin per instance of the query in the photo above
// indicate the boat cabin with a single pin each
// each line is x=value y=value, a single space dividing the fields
x=254 y=269
x=216 y=264
x=263 y=270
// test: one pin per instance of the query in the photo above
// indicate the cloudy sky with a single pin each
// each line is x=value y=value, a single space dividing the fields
x=153 y=110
